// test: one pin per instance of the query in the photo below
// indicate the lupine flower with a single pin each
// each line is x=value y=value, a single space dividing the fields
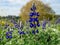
x=38 y=25
x=31 y=19
x=8 y=32
x=31 y=25
x=33 y=8
x=35 y=19
x=9 y=35
x=34 y=25
x=31 y=14
x=34 y=13
x=33 y=31
x=21 y=32
x=37 y=31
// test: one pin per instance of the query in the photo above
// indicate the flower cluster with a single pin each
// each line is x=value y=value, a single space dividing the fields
x=21 y=32
x=9 y=35
x=34 y=32
x=34 y=22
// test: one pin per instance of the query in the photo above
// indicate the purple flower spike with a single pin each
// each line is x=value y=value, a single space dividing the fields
x=34 y=18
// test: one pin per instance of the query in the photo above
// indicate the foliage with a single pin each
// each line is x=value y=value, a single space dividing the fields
x=49 y=36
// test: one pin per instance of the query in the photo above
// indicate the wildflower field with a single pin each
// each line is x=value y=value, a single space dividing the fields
x=34 y=28
x=48 y=36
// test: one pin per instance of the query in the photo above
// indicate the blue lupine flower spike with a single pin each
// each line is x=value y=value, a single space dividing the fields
x=34 y=22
